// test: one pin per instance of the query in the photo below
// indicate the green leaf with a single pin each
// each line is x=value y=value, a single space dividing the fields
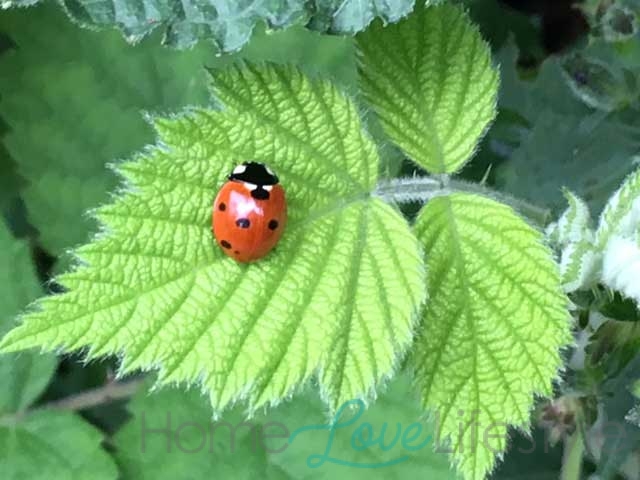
x=621 y=215
x=574 y=224
x=620 y=308
x=89 y=116
x=533 y=96
x=580 y=266
x=493 y=327
x=235 y=447
x=568 y=145
x=431 y=82
x=597 y=83
x=23 y=376
x=618 y=239
x=616 y=451
x=10 y=181
x=580 y=262
x=337 y=298
x=499 y=23
x=229 y=23
x=53 y=445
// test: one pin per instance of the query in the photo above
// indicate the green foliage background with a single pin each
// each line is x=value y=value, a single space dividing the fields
x=73 y=101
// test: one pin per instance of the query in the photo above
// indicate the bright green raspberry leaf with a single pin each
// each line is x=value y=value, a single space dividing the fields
x=279 y=444
x=24 y=375
x=493 y=327
x=229 y=23
x=48 y=445
x=431 y=81
x=337 y=298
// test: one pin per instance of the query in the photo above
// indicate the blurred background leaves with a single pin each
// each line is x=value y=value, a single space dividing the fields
x=229 y=23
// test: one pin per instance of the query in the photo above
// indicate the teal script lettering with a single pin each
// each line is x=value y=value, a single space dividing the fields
x=363 y=438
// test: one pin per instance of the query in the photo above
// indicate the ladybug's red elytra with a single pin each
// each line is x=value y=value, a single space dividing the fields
x=249 y=212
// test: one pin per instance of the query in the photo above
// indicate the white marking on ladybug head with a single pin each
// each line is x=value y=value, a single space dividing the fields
x=239 y=169
x=268 y=188
x=250 y=186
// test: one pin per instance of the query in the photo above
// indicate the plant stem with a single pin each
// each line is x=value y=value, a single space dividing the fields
x=108 y=393
x=572 y=458
x=105 y=394
x=423 y=189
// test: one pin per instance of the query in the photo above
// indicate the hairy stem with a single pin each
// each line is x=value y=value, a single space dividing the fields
x=423 y=189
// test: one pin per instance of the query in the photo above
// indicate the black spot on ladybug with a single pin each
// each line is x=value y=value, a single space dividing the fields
x=273 y=224
x=225 y=244
x=260 y=193
x=236 y=252
x=243 y=223
x=222 y=207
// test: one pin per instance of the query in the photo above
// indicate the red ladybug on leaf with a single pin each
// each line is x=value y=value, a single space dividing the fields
x=249 y=212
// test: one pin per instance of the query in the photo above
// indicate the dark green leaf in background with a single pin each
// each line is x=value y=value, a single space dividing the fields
x=39 y=444
x=598 y=84
x=614 y=439
x=498 y=23
x=73 y=101
x=9 y=179
x=23 y=376
x=568 y=144
x=50 y=445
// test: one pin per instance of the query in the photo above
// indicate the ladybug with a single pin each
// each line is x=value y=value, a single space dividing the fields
x=249 y=212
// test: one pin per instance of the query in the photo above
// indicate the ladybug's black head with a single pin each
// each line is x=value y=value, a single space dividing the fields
x=254 y=172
